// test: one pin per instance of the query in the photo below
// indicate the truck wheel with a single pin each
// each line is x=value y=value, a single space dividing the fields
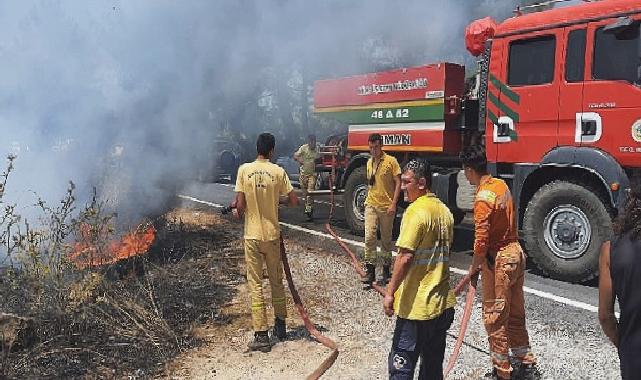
x=355 y=194
x=563 y=227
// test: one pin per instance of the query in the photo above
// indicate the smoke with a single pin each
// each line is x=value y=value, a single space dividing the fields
x=128 y=96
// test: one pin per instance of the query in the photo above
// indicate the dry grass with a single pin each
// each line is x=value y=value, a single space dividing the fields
x=120 y=320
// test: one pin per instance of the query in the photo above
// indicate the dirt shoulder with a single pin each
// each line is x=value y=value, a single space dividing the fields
x=336 y=304
x=353 y=318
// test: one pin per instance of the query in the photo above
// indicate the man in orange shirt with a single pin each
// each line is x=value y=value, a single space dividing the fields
x=498 y=254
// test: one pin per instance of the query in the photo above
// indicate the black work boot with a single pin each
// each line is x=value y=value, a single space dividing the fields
x=386 y=274
x=370 y=274
x=529 y=372
x=493 y=375
x=261 y=342
x=280 y=329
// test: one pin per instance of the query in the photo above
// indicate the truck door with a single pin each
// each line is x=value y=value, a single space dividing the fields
x=528 y=126
x=571 y=88
x=611 y=118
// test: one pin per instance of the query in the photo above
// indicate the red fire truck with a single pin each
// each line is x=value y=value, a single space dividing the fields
x=556 y=103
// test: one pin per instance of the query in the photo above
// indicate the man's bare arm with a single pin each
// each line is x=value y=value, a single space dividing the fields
x=397 y=193
x=606 y=297
x=239 y=211
x=290 y=200
x=293 y=199
x=402 y=265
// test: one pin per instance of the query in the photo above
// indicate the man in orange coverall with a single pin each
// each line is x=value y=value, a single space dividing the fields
x=498 y=254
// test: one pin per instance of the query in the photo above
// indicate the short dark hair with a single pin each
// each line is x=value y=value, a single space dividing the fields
x=374 y=137
x=421 y=169
x=265 y=143
x=474 y=157
x=629 y=219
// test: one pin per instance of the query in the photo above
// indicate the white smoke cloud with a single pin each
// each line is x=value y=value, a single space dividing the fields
x=129 y=95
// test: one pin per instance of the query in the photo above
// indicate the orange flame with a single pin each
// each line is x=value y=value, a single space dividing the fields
x=86 y=254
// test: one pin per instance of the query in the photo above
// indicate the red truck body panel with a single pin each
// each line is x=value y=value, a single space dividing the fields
x=561 y=17
x=414 y=83
x=407 y=106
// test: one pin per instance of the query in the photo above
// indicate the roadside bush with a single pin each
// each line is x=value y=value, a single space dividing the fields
x=88 y=321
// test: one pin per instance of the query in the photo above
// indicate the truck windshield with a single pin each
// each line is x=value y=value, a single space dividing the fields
x=617 y=55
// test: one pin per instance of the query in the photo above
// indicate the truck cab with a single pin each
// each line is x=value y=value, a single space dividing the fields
x=562 y=120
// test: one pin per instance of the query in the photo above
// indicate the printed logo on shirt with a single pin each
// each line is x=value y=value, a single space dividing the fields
x=260 y=181
x=398 y=361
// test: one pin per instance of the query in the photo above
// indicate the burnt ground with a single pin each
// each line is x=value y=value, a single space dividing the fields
x=128 y=319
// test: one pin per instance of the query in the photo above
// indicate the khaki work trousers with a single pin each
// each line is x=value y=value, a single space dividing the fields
x=257 y=252
x=307 y=184
x=504 y=309
x=377 y=218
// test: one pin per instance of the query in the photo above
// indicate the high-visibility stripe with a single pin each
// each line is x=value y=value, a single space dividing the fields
x=503 y=107
x=486 y=195
x=388 y=128
x=430 y=102
x=521 y=351
x=399 y=148
x=493 y=118
x=499 y=357
x=431 y=256
x=432 y=250
x=432 y=260
x=505 y=90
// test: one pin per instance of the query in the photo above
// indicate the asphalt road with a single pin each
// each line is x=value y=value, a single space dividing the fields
x=463 y=238
x=562 y=317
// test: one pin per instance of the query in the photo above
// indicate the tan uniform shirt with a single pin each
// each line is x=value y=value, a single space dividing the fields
x=381 y=195
x=263 y=183
x=309 y=157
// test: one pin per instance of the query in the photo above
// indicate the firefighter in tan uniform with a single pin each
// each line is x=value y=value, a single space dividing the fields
x=384 y=188
x=499 y=256
x=259 y=186
x=306 y=155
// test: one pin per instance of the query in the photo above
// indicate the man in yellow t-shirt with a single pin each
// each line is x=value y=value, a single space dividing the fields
x=306 y=156
x=259 y=186
x=419 y=291
x=384 y=180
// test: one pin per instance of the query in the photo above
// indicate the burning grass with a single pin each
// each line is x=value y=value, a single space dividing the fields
x=101 y=308
x=88 y=253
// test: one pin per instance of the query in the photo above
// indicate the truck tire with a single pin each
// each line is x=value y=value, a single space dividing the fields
x=354 y=199
x=563 y=227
